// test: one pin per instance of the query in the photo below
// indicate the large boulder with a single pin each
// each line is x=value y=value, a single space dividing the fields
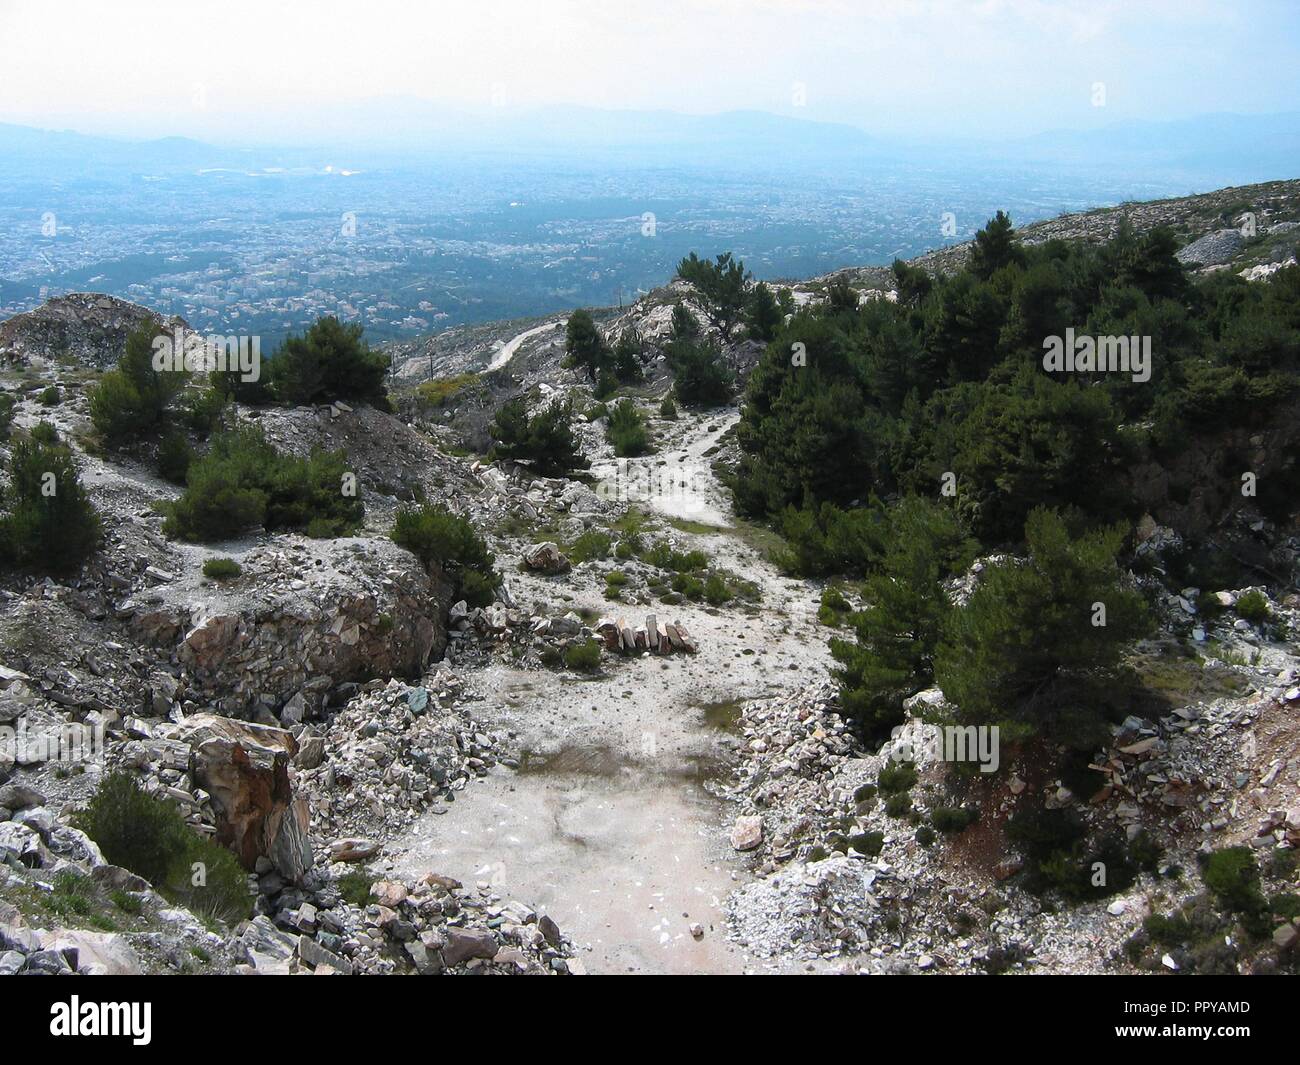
x=546 y=558
x=245 y=769
x=305 y=615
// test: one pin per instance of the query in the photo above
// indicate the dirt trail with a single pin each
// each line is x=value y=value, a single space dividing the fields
x=609 y=825
x=508 y=349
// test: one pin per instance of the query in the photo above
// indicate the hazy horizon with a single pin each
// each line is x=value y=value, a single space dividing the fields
x=992 y=69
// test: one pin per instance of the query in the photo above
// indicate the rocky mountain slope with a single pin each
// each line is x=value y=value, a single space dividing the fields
x=417 y=786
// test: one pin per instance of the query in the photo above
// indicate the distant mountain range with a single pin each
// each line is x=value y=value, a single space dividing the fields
x=1209 y=150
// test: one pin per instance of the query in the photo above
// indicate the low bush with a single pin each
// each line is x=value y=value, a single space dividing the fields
x=435 y=393
x=1233 y=879
x=222 y=569
x=243 y=482
x=591 y=545
x=174 y=458
x=150 y=837
x=583 y=657
x=953 y=819
x=437 y=537
x=544 y=439
x=716 y=591
x=627 y=431
x=896 y=777
x=49 y=525
x=1253 y=607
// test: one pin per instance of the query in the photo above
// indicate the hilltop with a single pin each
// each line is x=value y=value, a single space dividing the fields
x=633 y=749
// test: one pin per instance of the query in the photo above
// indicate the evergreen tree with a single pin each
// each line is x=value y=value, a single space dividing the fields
x=545 y=439
x=627 y=357
x=995 y=247
x=718 y=288
x=330 y=361
x=585 y=346
x=50 y=525
x=898 y=632
x=763 y=314
x=1039 y=639
x=131 y=400
x=701 y=378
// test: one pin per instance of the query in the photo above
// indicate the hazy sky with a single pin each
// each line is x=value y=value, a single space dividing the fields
x=918 y=67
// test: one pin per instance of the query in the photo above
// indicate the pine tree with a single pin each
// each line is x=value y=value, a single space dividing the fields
x=763 y=314
x=545 y=439
x=995 y=247
x=718 y=288
x=51 y=525
x=585 y=346
x=1038 y=638
x=898 y=632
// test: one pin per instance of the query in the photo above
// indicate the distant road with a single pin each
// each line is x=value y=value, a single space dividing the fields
x=508 y=349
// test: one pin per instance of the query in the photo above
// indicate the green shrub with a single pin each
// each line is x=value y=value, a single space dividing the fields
x=545 y=439
x=700 y=376
x=584 y=656
x=832 y=607
x=7 y=404
x=436 y=393
x=585 y=346
x=716 y=591
x=668 y=409
x=202 y=409
x=50 y=525
x=243 y=481
x=925 y=836
x=896 y=777
x=606 y=385
x=1060 y=856
x=1046 y=685
x=50 y=397
x=953 y=819
x=616 y=578
x=662 y=555
x=1253 y=607
x=898 y=804
x=626 y=430
x=131 y=400
x=221 y=569
x=45 y=433
x=174 y=458
x=871 y=843
x=150 y=837
x=72 y=895
x=1233 y=879
x=688 y=585
x=591 y=545
x=126 y=902
x=354 y=887
x=437 y=537
x=627 y=353
x=897 y=633
x=329 y=362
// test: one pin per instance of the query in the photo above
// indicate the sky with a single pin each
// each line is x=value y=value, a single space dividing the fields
x=248 y=69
